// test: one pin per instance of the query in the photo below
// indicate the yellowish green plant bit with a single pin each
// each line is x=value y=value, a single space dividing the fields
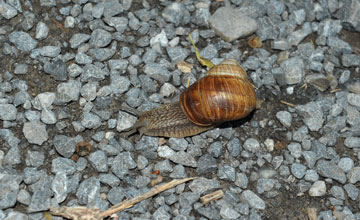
x=203 y=61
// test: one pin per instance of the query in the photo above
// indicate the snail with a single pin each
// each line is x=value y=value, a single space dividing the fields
x=224 y=94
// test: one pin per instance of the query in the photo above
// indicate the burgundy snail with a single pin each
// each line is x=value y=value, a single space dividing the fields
x=224 y=94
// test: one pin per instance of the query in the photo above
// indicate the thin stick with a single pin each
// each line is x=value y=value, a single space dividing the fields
x=288 y=103
x=335 y=90
x=156 y=190
x=84 y=213
x=212 y=196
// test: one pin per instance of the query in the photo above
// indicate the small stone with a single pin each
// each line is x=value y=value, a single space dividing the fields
x=353 y=99
x=125 y=121
x=230 y=24
x=346 y=164
x=252 y=145
x=284 y=117
x=354 y=175
x=293 y=69
x=68 y=91
x=7 y=112
x=295 y=37
x=100 y=38
x=165 y=152
x=337 y=192
x=350 y=60
x=229 y=213
x=311 y=176
x=318 y=189
x=202 y=185
x=330 y=170
x=295 y=149
x=9 y=188
x=24 y=197
x=7 y=11
x=22 y=40
x=63 y=165
x=42 y=31
x=77 y=39
x=167 y=90
x=226 y=173
x=352 y=142
x=298 y=170
x=184 y=159
x=34 y=158
x=352 y=191
x=252 y=199
x=35 y=132
x=206 y=164
x=312 y=114
x=177 y=54
x=241 y=180
x=59 y=186
x=88 y=191
x=98 y=160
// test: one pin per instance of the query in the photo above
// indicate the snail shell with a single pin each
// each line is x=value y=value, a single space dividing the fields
x=224 y=94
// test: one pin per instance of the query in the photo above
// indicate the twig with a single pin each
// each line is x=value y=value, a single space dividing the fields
x=212 y=196
x=84 y=213
x=288 y=103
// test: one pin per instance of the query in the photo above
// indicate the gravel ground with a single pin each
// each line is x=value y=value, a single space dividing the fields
x=69 y=66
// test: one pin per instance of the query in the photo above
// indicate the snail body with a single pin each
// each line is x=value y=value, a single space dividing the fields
x=224 y=94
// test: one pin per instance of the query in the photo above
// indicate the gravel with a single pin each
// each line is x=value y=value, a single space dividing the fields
x=76 y=73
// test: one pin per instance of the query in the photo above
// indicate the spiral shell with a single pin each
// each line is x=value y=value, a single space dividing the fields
x=224 y=94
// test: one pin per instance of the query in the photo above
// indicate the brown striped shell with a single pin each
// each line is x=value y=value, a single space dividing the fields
x=224 y=94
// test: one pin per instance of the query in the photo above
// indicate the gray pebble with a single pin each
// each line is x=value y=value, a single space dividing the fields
x=318 y=189
x=124 y=121
x=35 y=132
x=77 y=39
x=339 y=45
x=7 y=11
x=312 y=114
x=346 y=164
x=23 y=197
x=163 y=166
x=352 y=191
x=352 y=142
x=68 y=91
x=59 y=187
x=177 y=54
x=330 y=170
x=63 y=165
x=353 y=99
x=184 y=158
x=354 y=175
x=226 y=173
x=9 y=188
x=293 y=69
x=178 y=144
x=230 y=25
x=215 y=149
x=202 y=185
x=298 y=170
x=109 y=179
x=229 y=213
x=337 y=192
x=34 y=158
x=295 y=149
x=311 y=176
x=8 y=112
x=98 y=160
x=350 y=60
x=252 y=199
x=284 y=117
x=206 y=164
x=90 y=121
x=265 y=185
x=178 y=172
x=234 y=147
x=88 y=191
x=251 y=145
x=100 y=38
